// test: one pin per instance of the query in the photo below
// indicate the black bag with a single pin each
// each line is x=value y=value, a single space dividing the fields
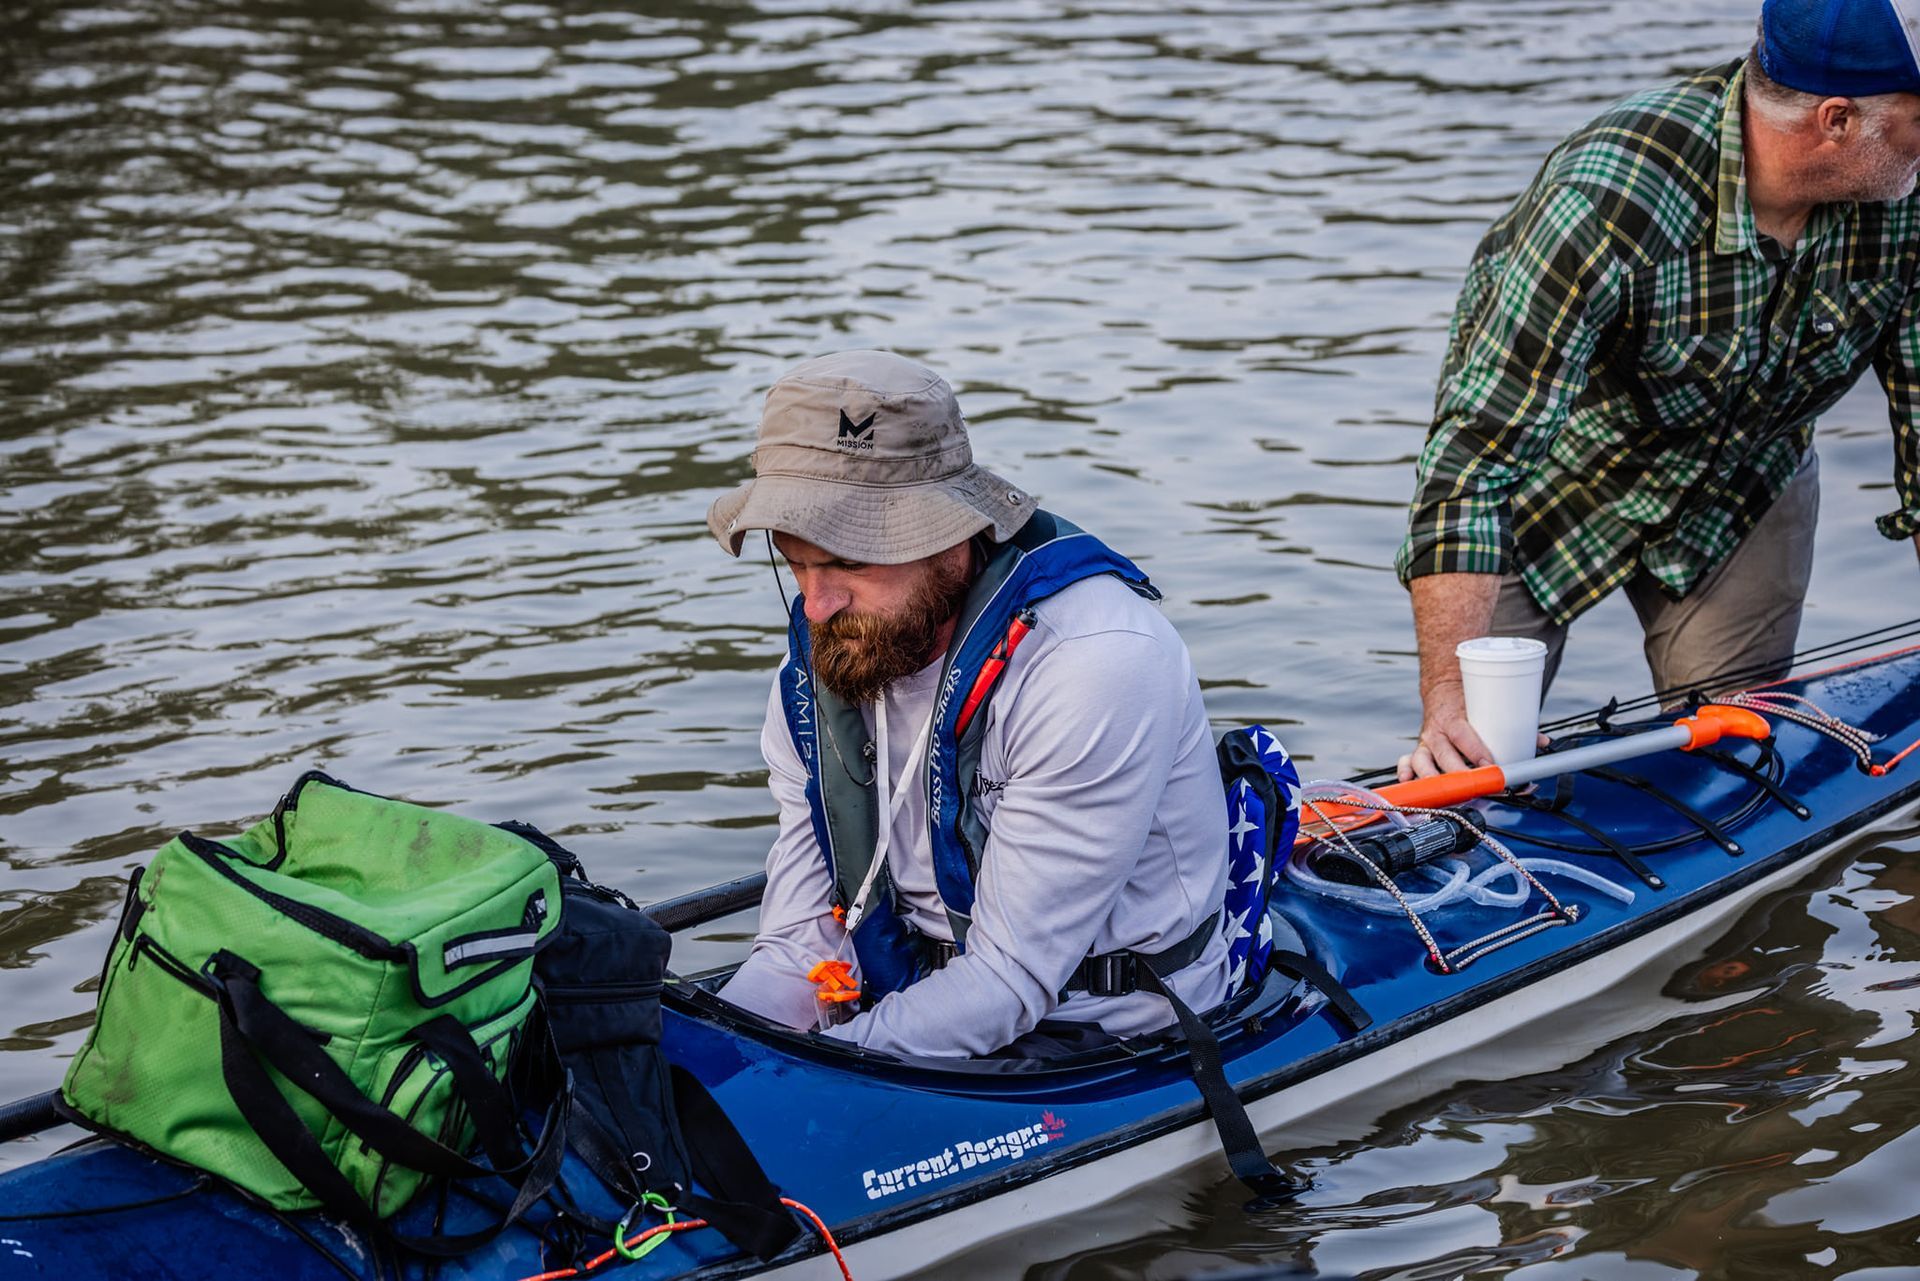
x=601 y=979
x=601 y=976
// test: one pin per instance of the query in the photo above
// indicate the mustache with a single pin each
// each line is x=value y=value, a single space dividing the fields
x=857 y=655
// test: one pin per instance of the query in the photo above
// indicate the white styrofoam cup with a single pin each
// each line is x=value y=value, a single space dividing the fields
x=1501 y=675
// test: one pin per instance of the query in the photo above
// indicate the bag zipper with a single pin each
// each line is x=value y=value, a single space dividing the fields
x=171 y=964
x=362 y=940
x=130 y=913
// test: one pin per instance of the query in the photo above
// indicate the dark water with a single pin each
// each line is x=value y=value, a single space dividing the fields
x=367 y=369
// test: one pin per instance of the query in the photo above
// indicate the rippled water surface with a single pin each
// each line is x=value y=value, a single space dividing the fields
x=367 y=369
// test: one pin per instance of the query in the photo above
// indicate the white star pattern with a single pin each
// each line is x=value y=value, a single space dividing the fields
x=1250 y=876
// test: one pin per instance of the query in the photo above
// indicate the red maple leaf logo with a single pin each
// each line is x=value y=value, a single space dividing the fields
x=1053 y=1125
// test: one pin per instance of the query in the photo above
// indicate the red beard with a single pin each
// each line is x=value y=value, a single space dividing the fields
x=858 y=655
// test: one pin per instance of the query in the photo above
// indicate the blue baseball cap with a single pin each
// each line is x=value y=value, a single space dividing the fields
x=1842 y=48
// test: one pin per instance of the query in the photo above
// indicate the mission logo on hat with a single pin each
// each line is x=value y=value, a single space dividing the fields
x=864 y=454
x=1842 y=48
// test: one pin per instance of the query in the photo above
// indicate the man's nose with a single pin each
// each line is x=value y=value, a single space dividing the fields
x=826 y=600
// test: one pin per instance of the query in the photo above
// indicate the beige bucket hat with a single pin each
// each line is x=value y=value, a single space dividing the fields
x=864 y=454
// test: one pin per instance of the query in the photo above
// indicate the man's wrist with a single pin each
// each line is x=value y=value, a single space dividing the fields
x=1445 y=688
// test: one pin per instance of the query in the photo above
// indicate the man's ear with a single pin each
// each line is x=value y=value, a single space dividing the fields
x=1836 y=119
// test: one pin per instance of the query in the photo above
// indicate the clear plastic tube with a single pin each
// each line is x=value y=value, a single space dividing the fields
x=1366 y=898
x=1377 y=900
x=1574 y=872
x=1483 y=888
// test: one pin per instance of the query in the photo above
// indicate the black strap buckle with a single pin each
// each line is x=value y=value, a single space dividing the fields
x=1110 y=974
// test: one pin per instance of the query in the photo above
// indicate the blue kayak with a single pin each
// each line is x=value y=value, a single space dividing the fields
x=909 y=1162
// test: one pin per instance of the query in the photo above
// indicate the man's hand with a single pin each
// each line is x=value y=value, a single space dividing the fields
x=1447 y=742
x=1447 y=609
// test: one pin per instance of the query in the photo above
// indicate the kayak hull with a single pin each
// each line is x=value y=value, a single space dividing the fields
x=913 y=1162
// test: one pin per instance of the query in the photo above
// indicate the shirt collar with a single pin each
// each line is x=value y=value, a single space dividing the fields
x=1733 y=230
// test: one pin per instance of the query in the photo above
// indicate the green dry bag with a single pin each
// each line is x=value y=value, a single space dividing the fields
x=322 y=1010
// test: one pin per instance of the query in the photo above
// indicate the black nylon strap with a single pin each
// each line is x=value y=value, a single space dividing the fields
x=1238 y=1138
x=741 y=1201
x=1339 y=1000
x=486 y=1099
x=605 y=1156
x=1120 y=973
x=283 y=1043
x=250 y=1024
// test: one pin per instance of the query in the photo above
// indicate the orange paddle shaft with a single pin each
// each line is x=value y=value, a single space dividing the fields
x=1704 y=728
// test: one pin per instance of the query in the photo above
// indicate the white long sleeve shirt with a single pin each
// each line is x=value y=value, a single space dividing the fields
x=1106 y=830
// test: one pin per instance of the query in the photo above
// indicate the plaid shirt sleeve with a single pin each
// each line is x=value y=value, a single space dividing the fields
x=1525 y=332
x=1898 y=364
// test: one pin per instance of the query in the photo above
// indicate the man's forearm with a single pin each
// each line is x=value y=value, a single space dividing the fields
x=1447 y=609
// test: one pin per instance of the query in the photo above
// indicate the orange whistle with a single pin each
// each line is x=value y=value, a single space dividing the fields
x=835 y=979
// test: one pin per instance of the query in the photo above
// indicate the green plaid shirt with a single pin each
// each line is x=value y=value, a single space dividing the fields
x=1632 y=372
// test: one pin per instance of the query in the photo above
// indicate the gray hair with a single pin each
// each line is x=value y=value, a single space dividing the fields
x=1787 y=109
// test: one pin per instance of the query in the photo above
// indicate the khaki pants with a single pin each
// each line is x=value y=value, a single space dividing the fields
x=1744 y=613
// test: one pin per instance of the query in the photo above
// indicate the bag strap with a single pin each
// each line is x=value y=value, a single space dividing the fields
x=253 y=1028
x=597 y=1146
x=740 y=1199
x=1238 y=1138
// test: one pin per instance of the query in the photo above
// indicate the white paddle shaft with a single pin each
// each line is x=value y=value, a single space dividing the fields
x=1579 y=758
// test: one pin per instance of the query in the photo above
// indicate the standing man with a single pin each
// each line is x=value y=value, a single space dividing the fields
x=999 y=800
x=1640 y=350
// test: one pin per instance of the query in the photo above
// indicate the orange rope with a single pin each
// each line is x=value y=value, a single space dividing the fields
x=1880 y=770
x=825 y=1235
x=682 y=1226
x=687 y=1224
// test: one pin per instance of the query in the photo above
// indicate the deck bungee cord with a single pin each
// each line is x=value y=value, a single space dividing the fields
x=633 y=1249
x=1804 y=711
x=1338 y=809
x=1444 y=961
x=1767 y=673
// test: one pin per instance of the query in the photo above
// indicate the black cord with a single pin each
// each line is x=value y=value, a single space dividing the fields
x=200 y=1184
x=1770 y=762
x=1733 y=676
x=778 y=582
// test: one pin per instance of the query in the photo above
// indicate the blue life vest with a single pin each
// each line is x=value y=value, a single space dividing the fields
x=830 y=735
x=1263 y=809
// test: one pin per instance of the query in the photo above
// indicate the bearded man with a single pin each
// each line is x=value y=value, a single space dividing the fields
x=999 y=799
x=1641 y=348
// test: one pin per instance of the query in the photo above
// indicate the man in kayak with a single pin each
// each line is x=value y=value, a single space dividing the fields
x=1641 y=348
x=999 y=800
